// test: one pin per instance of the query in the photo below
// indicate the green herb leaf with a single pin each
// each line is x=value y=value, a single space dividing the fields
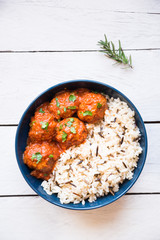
x=94 y=92
x=65 y=109
x=37 y=156
x=61 y=126
x=113 y=47
x=71 y=119
x=51 y=156
x=64 y=136
x=69 y=123
x=32 y=123
x=57 y=103
x=73 y=130
x=130 y=60
x=72 y=98
x=58 y=112
x=87 y=113
x=72 y=107
x=59 y=120
x=118 y=55
x=99 y=105
x=41 y=111
x=44 y=125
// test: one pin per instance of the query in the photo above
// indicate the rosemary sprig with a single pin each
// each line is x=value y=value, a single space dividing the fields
x=117 y=55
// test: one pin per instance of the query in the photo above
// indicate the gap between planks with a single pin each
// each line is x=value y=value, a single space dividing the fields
x=16 y=125
x=36 y=195
x=74 y=51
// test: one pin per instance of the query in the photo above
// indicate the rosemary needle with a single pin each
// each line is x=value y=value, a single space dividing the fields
x=117 y=55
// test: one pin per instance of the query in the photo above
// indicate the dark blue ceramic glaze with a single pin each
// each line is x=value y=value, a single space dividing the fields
x=22 y=134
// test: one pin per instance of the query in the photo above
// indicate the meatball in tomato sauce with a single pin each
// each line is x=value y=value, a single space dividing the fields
x=70 y=131
x=92 y=107
x=41 y=157
x=42 y=109
x=42 y=126
x=64 y=105
x=80 y=93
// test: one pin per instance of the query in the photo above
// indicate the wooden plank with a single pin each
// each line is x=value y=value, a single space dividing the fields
x=15 y=184
x=142 y=6
x=56 y=25
x=24 y=76
x=131 y=217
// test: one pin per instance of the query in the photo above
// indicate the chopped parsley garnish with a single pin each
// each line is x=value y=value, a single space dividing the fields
x=58 y=112
x=72 y=98
x=87 y=113
x=72 y=107
x=65 y=124
x=59 y=120
x=51 y=156
x=61 y=126
x=71 y=119
x=37 y=156
x=99 y=105
x=32 y=123
x=65 y=109
x=64 y=136
x=94 y=92
x=41 y=111
x=73 y=130
x=69 y=123
x=44 y=125
x=57 y=103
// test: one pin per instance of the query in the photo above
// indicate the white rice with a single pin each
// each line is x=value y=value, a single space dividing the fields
x=97 y=167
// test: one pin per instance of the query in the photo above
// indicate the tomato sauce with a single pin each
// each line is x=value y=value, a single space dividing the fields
x=53 y=129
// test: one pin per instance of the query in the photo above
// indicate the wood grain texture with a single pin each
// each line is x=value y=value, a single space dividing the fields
x=131 y=217
x=24 y=76
x=15 y=184
x=69 y=25
x=141 y=6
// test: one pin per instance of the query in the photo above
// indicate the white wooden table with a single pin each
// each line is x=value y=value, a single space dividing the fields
x=46 y=42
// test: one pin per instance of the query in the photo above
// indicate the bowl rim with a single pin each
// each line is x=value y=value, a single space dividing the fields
x=67 y=206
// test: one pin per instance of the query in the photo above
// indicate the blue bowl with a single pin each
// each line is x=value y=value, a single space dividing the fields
x=22 y=134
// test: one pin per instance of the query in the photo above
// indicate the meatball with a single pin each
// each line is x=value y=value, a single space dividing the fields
x=41 y=158
x=92 y=108
x=42 y=126
x=42 y=109
x=81 y=93
x=70 y=131
x=41 y=175
x=64 y=105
